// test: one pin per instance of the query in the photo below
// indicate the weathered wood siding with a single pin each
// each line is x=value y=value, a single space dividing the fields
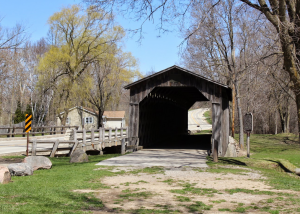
x=159 y=107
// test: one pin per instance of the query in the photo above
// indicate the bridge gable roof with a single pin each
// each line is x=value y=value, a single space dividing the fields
x=138 y=82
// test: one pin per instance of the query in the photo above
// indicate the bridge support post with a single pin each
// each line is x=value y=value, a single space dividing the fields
x=123 y=146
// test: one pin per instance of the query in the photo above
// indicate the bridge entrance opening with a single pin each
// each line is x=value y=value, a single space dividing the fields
x=159 y=104
x=163 y=116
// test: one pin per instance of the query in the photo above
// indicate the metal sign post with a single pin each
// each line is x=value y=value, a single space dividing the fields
x=248 y=127
x=28 y=128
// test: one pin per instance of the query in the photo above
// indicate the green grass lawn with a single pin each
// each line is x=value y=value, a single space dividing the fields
x=266 y=153
x=50 y=191
x=207 y=116
x=280 y=146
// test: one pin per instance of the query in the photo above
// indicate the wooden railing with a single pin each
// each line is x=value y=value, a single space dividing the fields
x=52 y=130
x=94 y=139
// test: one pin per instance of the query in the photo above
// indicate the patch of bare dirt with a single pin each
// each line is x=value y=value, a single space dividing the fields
x=153 y=191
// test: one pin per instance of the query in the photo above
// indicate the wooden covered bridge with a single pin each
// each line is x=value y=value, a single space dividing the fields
x=159 y=106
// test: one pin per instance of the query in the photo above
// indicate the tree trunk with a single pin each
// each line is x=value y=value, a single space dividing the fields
x=298 y=112
x=275 y=122
x=99 y=118
x=240 y=116
x=288 y=118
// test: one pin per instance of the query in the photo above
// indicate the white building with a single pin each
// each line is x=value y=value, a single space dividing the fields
x=114 y=119
x=87 y=116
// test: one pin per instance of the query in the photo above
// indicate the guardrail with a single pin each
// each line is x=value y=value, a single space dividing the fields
x=52 y=130
x=94 y=139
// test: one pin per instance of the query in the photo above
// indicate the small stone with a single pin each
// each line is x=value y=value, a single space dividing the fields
x=4 y=175
x=79 y=156
x=20 y=169
x=38 y=162
x=297 y=171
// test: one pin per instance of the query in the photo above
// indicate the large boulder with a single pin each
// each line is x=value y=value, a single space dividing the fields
x=79 y=156
x=38 y=162
x=20 y=169
x=297 y=171
x=4 y=175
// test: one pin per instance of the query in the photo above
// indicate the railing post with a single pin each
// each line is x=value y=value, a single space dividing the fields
x=8 y=132
x=62 y=130
x=43 y=130
x=74 y=134
x=13 y=131
x=100 y=135
x=92 y=135
x=123 y=146
x=55 y=146
x=84 y=136
x=33 y=130
x=109 y=134
x=215 y=152
x=50 y=130
x=121 y=132
x=54 y=130
x=103 y=134
x=33 y=148
x=116 y=133
x=24 y=132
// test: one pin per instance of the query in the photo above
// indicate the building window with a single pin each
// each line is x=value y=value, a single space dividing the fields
x=68 y=120
x=89 y=120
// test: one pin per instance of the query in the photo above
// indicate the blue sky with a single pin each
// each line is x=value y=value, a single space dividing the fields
x=153 y=53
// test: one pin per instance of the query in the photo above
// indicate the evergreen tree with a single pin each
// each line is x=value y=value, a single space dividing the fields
x=19 y=115
x=28 y=110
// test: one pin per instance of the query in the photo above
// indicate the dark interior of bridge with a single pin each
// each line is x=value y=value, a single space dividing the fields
x=163 y=119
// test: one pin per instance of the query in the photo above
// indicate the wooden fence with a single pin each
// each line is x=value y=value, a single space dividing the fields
x=52 y=130
x=88 y=140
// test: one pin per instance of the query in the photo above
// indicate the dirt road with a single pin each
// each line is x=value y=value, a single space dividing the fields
x=196 y=120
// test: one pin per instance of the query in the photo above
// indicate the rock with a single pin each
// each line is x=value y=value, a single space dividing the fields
x=4 y=175
x=69 y=135
x=231 y=150
x=38 y=162
x=20 y=169
x=79 y=156
x=297 y=171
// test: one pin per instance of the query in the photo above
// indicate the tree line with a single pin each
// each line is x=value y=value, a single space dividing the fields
x=252 y=46
x=79 y=63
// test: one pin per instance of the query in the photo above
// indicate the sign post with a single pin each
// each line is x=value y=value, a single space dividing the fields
x=248 y=127
x=28 y=128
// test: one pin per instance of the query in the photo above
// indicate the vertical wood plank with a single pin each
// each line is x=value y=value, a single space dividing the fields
x=33 y=149
x=84 y=136
x=74 y=147
x=123 y=146
x=100 y=135
x=116 y=133
x=13 y=131
x=56 y=143
x=109 y=134
x=92 y=135
x=121 y=132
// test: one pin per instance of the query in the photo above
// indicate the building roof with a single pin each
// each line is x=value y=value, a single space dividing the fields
x=108 y=114
x=170 y=68
x=114 y=114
